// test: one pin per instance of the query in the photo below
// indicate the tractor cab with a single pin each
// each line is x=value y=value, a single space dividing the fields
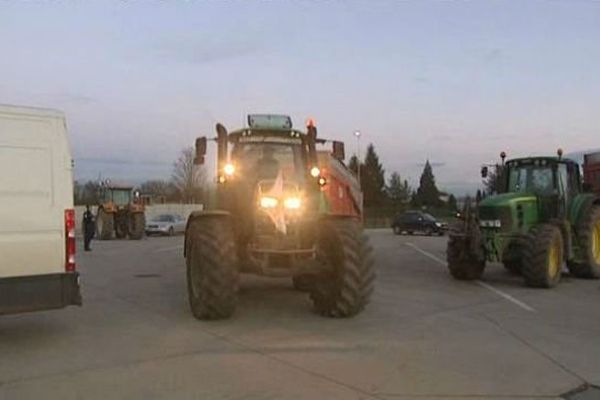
x=552 y=181
x=119 y=196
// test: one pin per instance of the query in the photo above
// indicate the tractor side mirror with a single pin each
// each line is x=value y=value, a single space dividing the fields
x=200 y=150
x=484 y=172
x=339 y=152
x=221 y=143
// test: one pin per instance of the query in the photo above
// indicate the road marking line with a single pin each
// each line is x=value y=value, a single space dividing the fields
x=489 y=287
x=179 y=247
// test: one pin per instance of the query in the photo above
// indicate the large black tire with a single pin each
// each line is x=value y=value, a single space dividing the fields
x=543 y=256
x=137 y=225
x=346 y=287
x=588 y=239
x=513 y=257
x=105 y=225
x=212 y=274
x=466 y=261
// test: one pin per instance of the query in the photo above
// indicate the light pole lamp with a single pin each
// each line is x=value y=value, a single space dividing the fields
x=357 y=134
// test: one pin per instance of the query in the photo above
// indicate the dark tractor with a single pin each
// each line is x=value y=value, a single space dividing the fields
x=280 y=209
x=541 y=219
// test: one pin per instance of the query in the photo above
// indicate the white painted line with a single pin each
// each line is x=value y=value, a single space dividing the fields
x=179 y=247
x=506 y=296
x=489 y=287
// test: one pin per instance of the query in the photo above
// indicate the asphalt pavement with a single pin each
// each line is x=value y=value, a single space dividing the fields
x=424 y=336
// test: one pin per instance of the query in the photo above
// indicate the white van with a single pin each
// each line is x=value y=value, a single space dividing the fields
x=37 y=220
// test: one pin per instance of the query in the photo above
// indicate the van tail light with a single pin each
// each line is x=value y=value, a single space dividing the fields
x=70 y=240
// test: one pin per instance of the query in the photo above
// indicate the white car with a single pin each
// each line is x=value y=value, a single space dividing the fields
x=166 y=224
x=37 y=233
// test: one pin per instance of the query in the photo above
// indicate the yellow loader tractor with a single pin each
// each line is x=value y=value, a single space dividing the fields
x=120 y=213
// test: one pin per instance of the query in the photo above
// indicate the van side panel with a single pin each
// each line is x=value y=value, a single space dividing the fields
x=35 y=189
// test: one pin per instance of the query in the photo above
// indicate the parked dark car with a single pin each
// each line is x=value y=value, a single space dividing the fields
x=417 y=221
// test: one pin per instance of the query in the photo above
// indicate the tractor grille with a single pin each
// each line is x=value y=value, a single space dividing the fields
x=503 y=214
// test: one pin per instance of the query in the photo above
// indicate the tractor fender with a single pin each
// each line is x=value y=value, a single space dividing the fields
x=201 y=214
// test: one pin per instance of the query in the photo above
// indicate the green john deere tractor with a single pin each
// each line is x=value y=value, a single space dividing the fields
x=278 y=212
x=540 y=219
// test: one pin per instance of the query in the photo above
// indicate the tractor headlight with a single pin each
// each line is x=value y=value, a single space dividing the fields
x=268 y=202
x=229 y=169
x=315 y=172
x=495 y=223
x=292 y=203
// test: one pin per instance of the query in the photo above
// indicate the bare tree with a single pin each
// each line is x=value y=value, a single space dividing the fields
x=189 y=178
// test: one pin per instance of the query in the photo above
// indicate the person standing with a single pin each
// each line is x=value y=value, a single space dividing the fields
x=89 y=228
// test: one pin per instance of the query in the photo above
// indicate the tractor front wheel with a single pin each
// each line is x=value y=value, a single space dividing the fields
x=588 y=235
x=543 y=256
x=212 y=274
x=137 y=224
x=345 y=288
x=104 y=225
x=465 y=260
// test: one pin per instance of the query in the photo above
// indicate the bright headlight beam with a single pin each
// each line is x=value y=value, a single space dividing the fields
x=229 y=169
x=292 y=203
x=315 y=172
x=268 y=202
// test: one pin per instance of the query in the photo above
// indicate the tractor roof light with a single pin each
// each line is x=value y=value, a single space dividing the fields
x=315 y=172
x=322 y=181
x=559 y=152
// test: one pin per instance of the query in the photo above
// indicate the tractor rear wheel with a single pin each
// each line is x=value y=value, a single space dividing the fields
x=464 y=263
x=137 y=224
x=104 y=225
x=212 y=274
x=543 y=256
x=588 y=233
x=346 y=286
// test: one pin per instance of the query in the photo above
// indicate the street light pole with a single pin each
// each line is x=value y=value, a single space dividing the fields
x=357 y=134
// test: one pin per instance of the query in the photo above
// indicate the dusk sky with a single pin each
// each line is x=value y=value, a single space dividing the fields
x=453 y=82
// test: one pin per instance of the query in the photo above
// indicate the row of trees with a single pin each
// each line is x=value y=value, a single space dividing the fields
x=187 y=184
x=396 y=192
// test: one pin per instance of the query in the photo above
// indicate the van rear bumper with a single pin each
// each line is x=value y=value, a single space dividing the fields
x=39 y=292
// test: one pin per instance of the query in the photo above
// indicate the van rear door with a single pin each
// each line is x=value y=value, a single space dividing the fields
x=35 y=191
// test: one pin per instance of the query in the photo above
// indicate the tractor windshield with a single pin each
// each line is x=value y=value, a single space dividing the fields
x=120 y=197
x=265 y=161
x=531 y=179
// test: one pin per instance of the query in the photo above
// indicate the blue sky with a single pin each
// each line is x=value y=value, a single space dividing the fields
x=455 y=82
